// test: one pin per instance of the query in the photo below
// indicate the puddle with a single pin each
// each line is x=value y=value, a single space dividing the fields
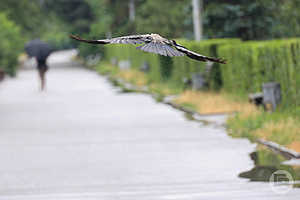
x=266 y=163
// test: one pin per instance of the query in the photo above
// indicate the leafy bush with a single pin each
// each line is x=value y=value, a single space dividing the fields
x=11 y=45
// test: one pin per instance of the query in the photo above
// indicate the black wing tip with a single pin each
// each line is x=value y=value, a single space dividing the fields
x=75 y=37
x=217 y=60
x=221 y=60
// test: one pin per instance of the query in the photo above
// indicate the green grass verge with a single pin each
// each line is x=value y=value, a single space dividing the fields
x=281 y=127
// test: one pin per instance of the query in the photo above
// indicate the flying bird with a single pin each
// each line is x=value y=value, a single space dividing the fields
x=154 y=43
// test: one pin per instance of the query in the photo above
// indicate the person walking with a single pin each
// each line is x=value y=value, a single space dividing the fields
x=41 y=51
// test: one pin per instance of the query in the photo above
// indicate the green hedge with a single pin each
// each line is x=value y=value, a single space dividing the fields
x=184 y=67
x=11 y=45
x=253 y=63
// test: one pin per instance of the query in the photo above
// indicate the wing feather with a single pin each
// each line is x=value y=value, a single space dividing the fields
x=165 y=53
x=89 y=41
x=159 y=48
x=151 y=48
x=164 y=49
x=147 y=47
x=156 y=50
x=132 y=39
x=169 y=52
x=197 y=56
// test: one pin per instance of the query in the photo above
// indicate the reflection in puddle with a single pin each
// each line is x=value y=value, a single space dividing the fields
x=266 y=163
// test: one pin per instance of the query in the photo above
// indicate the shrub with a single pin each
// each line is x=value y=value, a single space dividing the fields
x=11 y=44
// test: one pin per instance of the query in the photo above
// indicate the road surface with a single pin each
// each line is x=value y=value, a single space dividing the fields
x=82 y=140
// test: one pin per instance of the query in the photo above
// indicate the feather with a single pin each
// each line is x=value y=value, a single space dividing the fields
x=171 y=51
x=152 y=48
x=164 y=50
x=159 y=48
x=147 y=47
x=197 y=56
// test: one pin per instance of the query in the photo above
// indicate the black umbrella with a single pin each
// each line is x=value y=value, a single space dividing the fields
x=38 y=49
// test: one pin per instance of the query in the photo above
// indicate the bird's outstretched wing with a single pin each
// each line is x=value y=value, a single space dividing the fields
x=159 y=45
x=132 y=39
x=197 y=56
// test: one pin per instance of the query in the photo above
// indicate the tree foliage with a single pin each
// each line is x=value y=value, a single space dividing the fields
x=11 y=44
x=165 y=17
x=25 y=13
x=251 y=20
x=243 y=19
x=75 y=14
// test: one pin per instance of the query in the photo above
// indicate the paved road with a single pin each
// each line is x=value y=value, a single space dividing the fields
x=81 y=139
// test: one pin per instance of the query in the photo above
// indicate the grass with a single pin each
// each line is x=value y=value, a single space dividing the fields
x=133 y=76
x=212 y=102
x=106 y=69
x=280 y=127
x=164 y=89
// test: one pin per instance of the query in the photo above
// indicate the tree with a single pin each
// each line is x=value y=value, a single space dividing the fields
x=76 y=14
x=11 y=44
x=241 y=18
x=131 y=6
x=25 y=13
x=167 y=17
x=287 y=18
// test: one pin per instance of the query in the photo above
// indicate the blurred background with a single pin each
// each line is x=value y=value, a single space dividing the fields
x=52 y=21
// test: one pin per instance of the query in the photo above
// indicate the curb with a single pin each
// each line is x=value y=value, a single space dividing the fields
x=277 y=148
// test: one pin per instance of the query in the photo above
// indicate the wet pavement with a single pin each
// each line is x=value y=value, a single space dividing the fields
x=81 y=139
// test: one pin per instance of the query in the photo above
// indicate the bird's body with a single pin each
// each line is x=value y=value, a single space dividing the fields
x=154 y=43
x=158 y=38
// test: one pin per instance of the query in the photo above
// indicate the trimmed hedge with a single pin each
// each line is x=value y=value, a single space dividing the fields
x=253 y=63
x=11 y=45
x=184 y=67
